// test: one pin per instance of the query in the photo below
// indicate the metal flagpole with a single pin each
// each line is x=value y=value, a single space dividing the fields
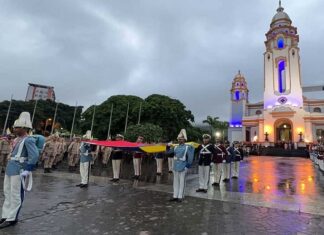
x=75 y=109
x=139 y=114
x=54 y=119
x=6 y=121
x=93 y=116
x=32 y=121
x=126 y=118
x=111 y=112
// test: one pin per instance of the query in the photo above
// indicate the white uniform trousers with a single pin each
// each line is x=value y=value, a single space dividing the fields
x=170 y=163
x=179 y=183
x=235 y=169
x=159 y=165
x=137 y=166
x=116 y=168
x=14 y=197
x=226 y=170
x=218 y=169
x=203 y=176
x=84 y=172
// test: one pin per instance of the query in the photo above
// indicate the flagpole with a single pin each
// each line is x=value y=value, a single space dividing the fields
x=111 y=112
x=139 y=114
x=54 y=119
x=6 y=121
x=93 y=116
x=75 y=109
x=126 y=118
x=32 y=121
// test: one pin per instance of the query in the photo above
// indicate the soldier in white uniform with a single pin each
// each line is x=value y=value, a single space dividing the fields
x=23 y=159
x=183 y=158
x=206 y=152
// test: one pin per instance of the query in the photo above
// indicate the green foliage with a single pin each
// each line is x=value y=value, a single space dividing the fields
x=217 y=125
x=150 y=132
x=44 y=110
x=170 y=114
x=167 y=113
x=102 y=115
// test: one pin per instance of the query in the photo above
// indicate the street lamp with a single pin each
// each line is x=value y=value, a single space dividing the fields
x=218 y=134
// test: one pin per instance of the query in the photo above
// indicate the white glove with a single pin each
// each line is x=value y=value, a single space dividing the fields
x=24 y=173
x=224 y=161
x=169 y=144
x=212 y=164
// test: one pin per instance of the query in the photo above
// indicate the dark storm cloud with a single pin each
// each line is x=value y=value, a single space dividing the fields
x=189 y=50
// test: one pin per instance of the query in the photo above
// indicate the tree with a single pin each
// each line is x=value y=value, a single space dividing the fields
x=101 y=122
x=170 y=114
x=45 y=110
x=150 y=132
x=222 y=126
x=212 y=122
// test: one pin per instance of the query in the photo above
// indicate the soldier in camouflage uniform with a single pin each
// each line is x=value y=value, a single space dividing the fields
x=5 y=149
x=106 y=152
x=49 y=153
x=74 y=153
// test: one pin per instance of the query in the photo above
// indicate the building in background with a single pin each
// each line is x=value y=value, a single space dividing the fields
x=40 y=92
x=285 y=114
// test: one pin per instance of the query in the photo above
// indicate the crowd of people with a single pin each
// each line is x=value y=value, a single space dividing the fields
x=21 y=153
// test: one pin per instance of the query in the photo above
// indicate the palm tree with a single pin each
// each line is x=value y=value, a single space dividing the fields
x=222 y=126
x=212 y=122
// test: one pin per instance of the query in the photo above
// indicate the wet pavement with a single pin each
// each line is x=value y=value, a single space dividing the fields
x=273 y=196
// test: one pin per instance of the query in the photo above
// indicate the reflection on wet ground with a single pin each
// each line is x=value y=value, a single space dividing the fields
x=287 y=183
x=269 y=198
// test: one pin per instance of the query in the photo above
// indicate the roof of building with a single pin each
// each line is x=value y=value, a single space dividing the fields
x=39 y=85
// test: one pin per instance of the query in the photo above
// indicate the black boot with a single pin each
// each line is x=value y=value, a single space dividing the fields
x=7 y=224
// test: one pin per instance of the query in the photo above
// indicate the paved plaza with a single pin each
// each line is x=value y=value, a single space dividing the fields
x=273 y=195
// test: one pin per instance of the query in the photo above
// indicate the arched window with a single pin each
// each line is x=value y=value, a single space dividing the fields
x=258 y=112
x=237 y=95
x=317 y=110
x=280 y=43
x=282 y=76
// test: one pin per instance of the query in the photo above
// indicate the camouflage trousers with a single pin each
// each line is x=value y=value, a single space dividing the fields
x=3 y=160
x=48 y=161
x=73 y=159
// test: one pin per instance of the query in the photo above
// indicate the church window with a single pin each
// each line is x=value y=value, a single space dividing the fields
x=293 y=52
x=258 y=112
x=280 y=43
x=317 y=110
x=237 y=95
x=282 y=76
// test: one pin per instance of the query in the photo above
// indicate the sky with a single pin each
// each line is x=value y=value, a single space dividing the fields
x=187 y=49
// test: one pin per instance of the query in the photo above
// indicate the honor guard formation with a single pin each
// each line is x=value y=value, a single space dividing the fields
x=22 y=152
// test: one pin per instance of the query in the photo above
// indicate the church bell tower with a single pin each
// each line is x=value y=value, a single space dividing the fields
x=282 y=79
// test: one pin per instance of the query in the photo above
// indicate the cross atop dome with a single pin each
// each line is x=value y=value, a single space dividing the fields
x=280 y=8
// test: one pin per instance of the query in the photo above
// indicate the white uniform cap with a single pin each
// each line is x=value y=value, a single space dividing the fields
x=182 y=134
x=23 y=121
x=88 y=135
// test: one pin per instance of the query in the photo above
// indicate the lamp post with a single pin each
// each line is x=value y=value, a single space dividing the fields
x=300 y=136
x=266 y=136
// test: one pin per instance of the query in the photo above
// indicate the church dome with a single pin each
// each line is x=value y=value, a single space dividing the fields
x=281 y=15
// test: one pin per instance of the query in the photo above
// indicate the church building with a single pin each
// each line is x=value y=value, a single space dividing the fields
x=285 y=114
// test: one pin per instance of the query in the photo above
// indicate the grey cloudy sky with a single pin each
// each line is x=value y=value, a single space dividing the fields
x=187 y=49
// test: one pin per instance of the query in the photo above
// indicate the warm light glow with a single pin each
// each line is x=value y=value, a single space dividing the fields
x=303 y=186
x=218 y=134
x=267 y=129
x=310 y=179
x=255 y=138
x=268 y=187
x=255 y=180
x=299 y=129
